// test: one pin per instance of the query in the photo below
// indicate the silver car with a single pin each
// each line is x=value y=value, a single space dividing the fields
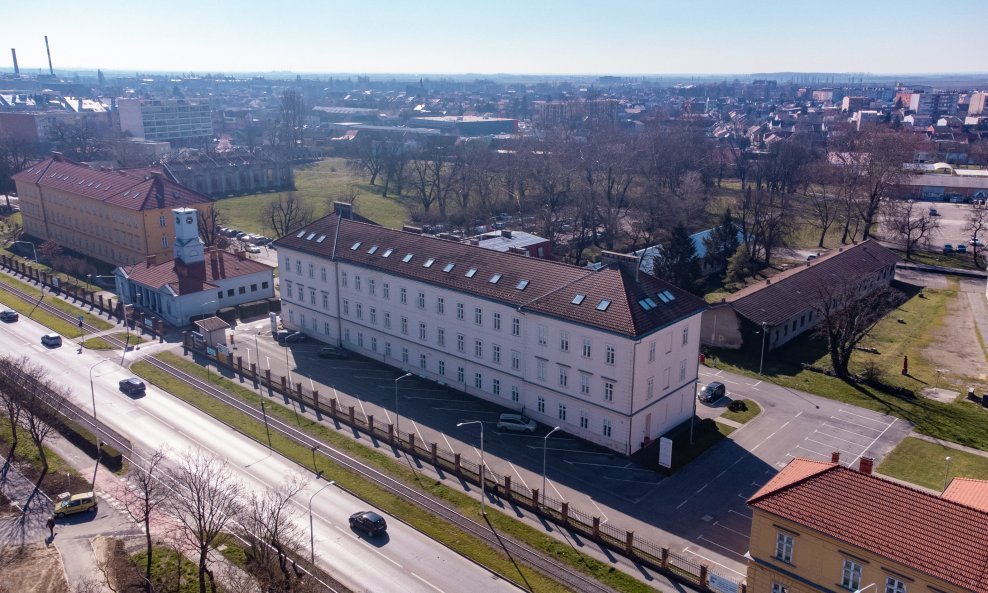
x=516 y=423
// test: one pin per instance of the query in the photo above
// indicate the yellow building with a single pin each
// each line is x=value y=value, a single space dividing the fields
x=825 y=527
x=117 y=216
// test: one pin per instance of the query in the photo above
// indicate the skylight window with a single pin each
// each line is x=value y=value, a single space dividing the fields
x=578 y=299
x=372 y=250
x=428 y=263
x=495 y=279
x=662 y=297
x=300 y=234
x=355 y=246
x=521 y=284
x=408 y=257
x=603 y=305
x=309 y=238
x=471 y=272
x=387 y=253
x=647 y=303
x=448 y=267
x=321 y=239
x=669 y=295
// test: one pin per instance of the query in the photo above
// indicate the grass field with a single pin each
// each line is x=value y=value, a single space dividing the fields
x=751 y=410
x=921 y=317
x=29 y=309
x=925 y=463
x=319 y=184
x=453 y=538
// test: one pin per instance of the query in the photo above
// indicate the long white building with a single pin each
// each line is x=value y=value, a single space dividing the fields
x=609 y=355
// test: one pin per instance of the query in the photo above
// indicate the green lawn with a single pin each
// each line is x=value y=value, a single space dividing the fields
x=97 y=344
x=319 y=184
x=964 y=261
x=28 y=309
x=925 y=463
x=751 y=410
x=449 y=536
x=170 y=570
x=61 y=475
x=921 y=317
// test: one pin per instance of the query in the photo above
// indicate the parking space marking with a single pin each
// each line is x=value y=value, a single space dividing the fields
x=830 y=436
x=740 y=514
x=855 y=424
x=599 y=510
x=689 y=551
x=722 y=526
x=813 y=451
x=869 y=418
x=829 y=445
x=766 y=439
x=843 y=430
x=870 y=445
x=514 y=469
x=451 y=450
x=466 y=410
x=416 y=427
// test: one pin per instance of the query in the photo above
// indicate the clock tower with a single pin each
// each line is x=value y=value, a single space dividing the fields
x=188 y=246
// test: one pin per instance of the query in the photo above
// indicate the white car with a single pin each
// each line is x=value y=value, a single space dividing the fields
x=253 y=249
x=516 y=423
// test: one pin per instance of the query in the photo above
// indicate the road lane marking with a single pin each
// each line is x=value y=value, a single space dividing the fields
x=873 y=442
x=426 y=582
x=722 y=526
x=721 y=546
x=355 y=536
x=514 y=469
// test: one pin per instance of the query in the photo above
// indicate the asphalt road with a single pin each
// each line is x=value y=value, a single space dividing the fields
x=403 y=560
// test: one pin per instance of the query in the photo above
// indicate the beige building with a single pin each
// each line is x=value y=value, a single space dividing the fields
x=820 y=526
x=117 y=216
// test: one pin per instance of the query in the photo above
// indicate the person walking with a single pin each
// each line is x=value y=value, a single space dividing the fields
x=51 y=527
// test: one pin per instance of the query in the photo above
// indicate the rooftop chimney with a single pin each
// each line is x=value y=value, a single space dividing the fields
x=506 y=234
x=151 y=260
x=51 y=70
x=628 y=263
x=835 y=457
x=866 y=465
x=13 y=54
x=343 y=210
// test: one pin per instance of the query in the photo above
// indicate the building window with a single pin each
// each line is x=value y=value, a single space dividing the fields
x=651 y=351
x=312 y=274
x=686 y=335
x=665 y=378
x=422 y=331
x=460 y=375
x=164 y=241
x=606 y=428
x=564 y=341
x=264 y=285
x=441 y=337
x=161 y=220
x=541 y=405
x=682 y=370
x=540 y=369
x=609 y=355
x=440 y=306
x=322 y=275
x=779 y=588
x=783 y=547
x=496 y=386
x=542 y=338
x=459 y=311
x=387 y=349
x=608 y=391
x=650 y=389
x=386 y=289
x=478 y=380
x=298 y=267
x=586 y=348
x=421 y=300
x=893 y=585
x=496 y=354
x=442 y=368
x=422 y=361
x=515 y=326
x=360 y=338
x=584 y=384
x=478 y=348
x=404 y=326
x=356 y=279
x=346 y=335
x=563 y=377
x=371 y=287
x=312 y=296
x=403 y=296
x=325 y=300
x=343 y=279
x=515 y=360
x=515 y=394
x=373 y=316
x=387 y=320
x=288 y=285
x=851 y=575
x=497 y=321
x=460 y=341
x=301 y=293
x=360 y=310
x=373 y=344
x=346 y=307
x=325 y=327
x=562 y=411
x=478 y=316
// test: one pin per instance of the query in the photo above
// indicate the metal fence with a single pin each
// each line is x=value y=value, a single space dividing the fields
x=622 y=541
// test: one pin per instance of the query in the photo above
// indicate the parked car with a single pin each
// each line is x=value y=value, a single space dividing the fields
x=934 y=212
x=948 y=248
x=333 y=352
x=293 y=338
x=282 y=334
x=516 y=423
x=253 y=249
x=9 y=315
x=961 y=248
x=77 y=503
x=51 y=340
x=133 y=386
x=976 y=242
x=369 y=522
x=712 y=392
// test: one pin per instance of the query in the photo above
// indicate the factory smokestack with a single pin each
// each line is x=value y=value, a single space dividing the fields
x=48 y=50
x=13 y=53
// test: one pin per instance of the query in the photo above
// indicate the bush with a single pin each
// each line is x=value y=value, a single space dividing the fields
x=737 y=406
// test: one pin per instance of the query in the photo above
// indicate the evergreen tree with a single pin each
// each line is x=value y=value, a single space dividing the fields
x=678 y=262
x=722 y=242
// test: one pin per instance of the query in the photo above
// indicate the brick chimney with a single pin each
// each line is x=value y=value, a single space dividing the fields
x=835 y=457
x=866 y=465
x=151 y=260
x=629 y=263
x=343 y=210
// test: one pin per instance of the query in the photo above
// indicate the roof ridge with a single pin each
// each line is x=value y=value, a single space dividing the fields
x=827 y=468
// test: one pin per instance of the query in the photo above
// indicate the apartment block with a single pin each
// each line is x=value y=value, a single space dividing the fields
x=179 y=121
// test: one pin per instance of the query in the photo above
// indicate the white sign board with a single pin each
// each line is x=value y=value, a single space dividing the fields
x=665 y=452
x=720 y=584
x=273 y=318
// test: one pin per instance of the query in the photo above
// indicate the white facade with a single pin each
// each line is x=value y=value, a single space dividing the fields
x=174 y=120
x=600 y=386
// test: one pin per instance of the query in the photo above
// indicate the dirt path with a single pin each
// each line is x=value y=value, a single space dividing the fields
x=33 y=568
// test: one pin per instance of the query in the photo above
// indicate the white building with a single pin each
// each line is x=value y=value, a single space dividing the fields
x=179 y=121
x=198 y=281
x=609 y=355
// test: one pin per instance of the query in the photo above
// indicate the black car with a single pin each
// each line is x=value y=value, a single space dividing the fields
x=9 y=315
x=712 y=392
x=295 y=338
x=369 y=522
x=132 y=386
x=333 y=352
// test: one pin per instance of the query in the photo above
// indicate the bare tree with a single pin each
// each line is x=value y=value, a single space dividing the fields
x=268 y=523
x=910 y=223
x=40 y=400
x=290 y=127
x=846 y=315
x=206 y=500
x=977 y=225
x=10 y=398
x=881 y=171
x=145 y=498
x=210 y=221
x=368 y=157
x=286 y=214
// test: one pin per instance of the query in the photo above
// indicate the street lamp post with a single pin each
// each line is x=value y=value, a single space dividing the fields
x=33 y=249
x=260 y=394
x=397 y=415
x=946 y=473
x=545 y=440
x=312 y=533
x=482 y=484
x=92 y=393
x=761 y=361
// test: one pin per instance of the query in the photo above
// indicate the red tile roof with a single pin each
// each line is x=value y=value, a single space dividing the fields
x=790 y=292
x=134 y=189
x=969 y=492
x=934 y=535
x=550 y=289
x=188 y=279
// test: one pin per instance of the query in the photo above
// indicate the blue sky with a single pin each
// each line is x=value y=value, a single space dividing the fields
x=504 y=36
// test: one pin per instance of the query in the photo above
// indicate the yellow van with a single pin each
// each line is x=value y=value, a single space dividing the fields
x=77 y=503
